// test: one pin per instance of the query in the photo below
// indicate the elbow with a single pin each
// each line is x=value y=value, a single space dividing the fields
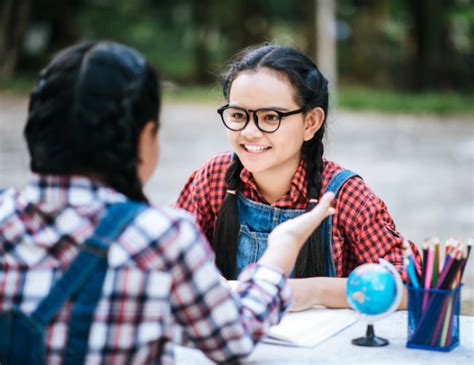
x=233 y=351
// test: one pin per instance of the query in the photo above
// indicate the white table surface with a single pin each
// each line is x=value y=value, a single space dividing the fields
x=339 y=350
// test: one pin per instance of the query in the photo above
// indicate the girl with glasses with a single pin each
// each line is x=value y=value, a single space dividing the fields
x=275 y=116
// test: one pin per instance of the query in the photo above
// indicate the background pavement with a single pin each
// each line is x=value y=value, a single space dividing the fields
x=421 y=166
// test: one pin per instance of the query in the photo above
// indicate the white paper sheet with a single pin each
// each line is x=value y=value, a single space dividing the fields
x=311 y=327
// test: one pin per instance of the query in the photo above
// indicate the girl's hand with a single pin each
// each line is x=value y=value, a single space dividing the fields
x=286 y=240
x=297 y=230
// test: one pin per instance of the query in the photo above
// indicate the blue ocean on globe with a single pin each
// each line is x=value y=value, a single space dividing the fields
x=371 y=289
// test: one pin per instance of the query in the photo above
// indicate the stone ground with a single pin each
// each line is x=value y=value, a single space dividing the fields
x=421 y=166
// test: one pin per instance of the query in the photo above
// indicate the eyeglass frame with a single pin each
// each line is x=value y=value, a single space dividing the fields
x=281 y=115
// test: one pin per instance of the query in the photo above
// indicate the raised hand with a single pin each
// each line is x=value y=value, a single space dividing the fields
x=286 y=240
x=297 y=230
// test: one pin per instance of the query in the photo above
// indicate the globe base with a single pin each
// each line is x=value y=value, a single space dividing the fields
x=370 y=339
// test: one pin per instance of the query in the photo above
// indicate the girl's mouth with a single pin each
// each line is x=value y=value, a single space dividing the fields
x=254 y=148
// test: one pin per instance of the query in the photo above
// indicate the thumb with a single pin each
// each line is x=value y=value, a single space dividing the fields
x=324 y=209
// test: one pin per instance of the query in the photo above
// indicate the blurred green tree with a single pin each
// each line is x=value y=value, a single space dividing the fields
x=14 y=17
x=395 y=44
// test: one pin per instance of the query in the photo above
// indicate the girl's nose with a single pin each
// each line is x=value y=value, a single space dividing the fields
x=251 y=129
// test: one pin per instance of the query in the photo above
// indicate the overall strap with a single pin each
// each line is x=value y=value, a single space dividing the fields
x=91 y=252
x=338 y=180
x=334 y=185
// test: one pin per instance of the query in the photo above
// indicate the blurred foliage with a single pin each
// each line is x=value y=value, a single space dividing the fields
x=405 y=102
x=360 y=98
x=411 y=45
x=353 y=98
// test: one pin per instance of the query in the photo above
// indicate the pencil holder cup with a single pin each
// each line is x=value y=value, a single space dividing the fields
x=433 y=318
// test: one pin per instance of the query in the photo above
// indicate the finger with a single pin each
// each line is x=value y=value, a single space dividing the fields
x=308 y=222
x=324 y=209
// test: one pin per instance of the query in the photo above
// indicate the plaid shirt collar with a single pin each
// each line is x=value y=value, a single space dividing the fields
x=298 y=186
x=54 y=192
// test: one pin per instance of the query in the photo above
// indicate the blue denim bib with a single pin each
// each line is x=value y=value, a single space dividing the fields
x=257 y=220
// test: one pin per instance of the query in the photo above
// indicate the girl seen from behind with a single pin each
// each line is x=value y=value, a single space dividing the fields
x=92 y=136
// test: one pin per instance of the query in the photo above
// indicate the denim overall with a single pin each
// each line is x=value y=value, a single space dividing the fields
x=257 y=220
x=22 y=339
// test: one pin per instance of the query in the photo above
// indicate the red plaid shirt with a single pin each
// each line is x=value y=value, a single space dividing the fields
x=363 y=231
x=161 y=285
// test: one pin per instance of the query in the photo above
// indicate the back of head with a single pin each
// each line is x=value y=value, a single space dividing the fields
x=87 y=110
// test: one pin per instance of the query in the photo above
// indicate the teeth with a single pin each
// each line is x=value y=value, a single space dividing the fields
x=254 y=148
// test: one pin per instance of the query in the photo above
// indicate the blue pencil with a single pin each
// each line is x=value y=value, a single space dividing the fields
x=408 y=260
x=412 y=273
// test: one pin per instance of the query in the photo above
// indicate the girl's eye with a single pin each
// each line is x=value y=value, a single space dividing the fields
x=238 y=115
x=272 y=117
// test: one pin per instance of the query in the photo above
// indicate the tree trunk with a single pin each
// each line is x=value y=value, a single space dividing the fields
x=15 y=18
x=200 y=10
x=64 y=31
x=430 y=66
x=250 y=25
x=326 y=41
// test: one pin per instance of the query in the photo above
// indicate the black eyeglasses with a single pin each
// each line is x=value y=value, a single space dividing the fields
x=266 y=120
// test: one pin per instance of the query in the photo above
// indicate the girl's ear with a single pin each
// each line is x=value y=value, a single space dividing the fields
x=312 y=122
x=148 y=150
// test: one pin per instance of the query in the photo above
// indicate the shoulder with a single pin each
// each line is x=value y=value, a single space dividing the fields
x=156 y=236
x=211 y=174
x=353 y=192
x=8 y=203
x=332 y=169
x=159 y=222
x=216 y=166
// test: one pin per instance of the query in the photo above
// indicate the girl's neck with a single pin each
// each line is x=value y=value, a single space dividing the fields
x=273 y=184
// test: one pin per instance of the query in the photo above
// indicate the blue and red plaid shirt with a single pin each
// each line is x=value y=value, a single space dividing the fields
x=161 y=286
x=363 y=231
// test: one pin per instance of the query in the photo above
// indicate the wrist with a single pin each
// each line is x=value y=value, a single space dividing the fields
x=280 y=258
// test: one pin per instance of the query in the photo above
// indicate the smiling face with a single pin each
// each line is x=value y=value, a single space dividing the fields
x=269 y=156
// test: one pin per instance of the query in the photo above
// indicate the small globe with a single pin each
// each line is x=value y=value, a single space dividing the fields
x=372 y=289
x=375 y=291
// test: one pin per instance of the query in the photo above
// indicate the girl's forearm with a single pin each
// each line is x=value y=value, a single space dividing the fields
x=325 y=291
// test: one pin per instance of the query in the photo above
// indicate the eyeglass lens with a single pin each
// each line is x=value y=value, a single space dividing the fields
x=236 y=119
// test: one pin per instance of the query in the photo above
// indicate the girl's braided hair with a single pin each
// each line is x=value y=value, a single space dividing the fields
x=87 y=110
x=311 y=91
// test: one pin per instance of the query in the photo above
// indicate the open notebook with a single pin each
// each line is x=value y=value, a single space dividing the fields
x=310 y=327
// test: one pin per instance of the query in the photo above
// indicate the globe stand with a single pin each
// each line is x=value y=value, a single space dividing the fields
x=370 y=339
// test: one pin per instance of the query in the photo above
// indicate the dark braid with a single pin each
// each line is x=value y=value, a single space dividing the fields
x=311 y=91
x=87 y=111
x=312 y=258
x=226 y=230
x=309 y=262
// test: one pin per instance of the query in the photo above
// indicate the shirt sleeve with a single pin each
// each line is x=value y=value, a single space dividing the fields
x=370 y=228
x=225 y=325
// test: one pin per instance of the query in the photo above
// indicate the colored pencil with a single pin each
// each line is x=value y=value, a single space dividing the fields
x=442 y=308
x=409 y=262
x=429 y=272
x=434 y=276
x=425 y=258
